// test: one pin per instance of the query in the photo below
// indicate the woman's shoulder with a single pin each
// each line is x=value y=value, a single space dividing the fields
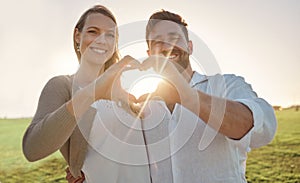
x=59 y=84
x=60 y=80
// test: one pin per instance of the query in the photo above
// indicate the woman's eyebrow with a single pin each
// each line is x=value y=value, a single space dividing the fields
x=108 y=30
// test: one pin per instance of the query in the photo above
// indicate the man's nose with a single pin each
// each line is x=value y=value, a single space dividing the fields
x=167 y=46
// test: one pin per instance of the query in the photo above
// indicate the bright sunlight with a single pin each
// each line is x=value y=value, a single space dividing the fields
x=140 y=82
x=145 y=85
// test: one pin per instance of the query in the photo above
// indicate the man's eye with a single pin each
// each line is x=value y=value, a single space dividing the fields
x=174 y=39
x=92 y=31
x=156 y=43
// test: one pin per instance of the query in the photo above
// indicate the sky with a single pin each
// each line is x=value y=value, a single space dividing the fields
x=256 y=39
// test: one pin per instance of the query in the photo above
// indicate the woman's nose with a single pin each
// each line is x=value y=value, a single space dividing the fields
x=100 y=39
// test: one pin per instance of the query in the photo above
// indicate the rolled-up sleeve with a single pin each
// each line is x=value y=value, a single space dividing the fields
x=265 y=123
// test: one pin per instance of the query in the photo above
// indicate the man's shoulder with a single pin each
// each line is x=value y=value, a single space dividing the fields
x=228 y=79
x=199 y=76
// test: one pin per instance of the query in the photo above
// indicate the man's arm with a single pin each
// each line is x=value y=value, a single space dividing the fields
x=230 y=118
x=222 y=110
x=237 y=111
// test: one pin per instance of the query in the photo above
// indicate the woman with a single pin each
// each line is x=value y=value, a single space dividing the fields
x=64 y=116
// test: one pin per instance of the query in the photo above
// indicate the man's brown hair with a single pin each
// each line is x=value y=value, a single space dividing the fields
x=166 y=15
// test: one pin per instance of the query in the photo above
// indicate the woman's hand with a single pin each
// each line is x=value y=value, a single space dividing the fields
x=106 y=86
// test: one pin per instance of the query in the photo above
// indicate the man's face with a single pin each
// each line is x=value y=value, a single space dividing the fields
x=167 y=39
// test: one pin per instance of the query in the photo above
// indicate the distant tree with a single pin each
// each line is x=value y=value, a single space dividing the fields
x=277 y=108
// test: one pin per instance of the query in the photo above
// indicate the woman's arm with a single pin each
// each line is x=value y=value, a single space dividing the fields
x=52 y=124
x=58 y=110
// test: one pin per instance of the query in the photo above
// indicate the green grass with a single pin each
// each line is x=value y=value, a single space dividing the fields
x=13 y=165
x=276 y=162
x=280 y=160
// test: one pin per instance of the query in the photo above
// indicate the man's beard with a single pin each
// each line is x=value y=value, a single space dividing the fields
x=182 y=62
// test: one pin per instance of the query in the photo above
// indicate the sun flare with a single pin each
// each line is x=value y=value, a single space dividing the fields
x=139 y=82
x=144 y=85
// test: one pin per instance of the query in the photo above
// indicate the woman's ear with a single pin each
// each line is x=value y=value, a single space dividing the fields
x=77 y=36
x=148 y=52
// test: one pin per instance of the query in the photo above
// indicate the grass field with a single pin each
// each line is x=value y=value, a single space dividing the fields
x=277 y=162
x=280 y=160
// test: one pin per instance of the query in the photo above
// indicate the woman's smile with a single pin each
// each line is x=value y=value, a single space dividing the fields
x=98 y=50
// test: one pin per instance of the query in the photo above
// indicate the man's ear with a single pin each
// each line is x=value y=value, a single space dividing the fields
x=148 y=52
x=190 y=47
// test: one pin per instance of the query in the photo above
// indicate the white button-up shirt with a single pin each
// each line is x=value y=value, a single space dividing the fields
x=180 y=146
x=201 y=154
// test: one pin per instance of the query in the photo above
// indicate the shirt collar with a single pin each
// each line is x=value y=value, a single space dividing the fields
x=197 y=78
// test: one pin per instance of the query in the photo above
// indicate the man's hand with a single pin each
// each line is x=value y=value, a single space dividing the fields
x=173 y=89
x=165 y=91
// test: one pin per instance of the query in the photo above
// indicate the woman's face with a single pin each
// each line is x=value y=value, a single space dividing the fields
x=97 y=39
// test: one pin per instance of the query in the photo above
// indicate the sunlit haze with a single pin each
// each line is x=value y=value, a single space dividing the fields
x=144 y=86
x=256 y=39
x=138 y=82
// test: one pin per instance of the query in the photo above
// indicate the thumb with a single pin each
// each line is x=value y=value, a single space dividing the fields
x=129 y=62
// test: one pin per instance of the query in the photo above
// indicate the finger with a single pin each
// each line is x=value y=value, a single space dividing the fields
x=143 y=98
x=69 y=175
x=126 y=101
x=125 y=96
x=131 y=98
x=158 y=63
x=129 y=62
x=135 y=107
x=125 y=64
x=69 y=178
x=79 y=180
x=151 y=61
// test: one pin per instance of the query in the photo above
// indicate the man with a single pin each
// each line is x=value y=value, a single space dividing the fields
x=210 y=122
x=231 y=119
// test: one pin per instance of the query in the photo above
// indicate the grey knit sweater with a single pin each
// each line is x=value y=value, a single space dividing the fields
x=53 y=127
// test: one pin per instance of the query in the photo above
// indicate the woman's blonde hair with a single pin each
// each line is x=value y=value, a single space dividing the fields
x=80 y=24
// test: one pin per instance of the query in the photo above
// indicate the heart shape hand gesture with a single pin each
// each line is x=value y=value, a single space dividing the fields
x=168 y=80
